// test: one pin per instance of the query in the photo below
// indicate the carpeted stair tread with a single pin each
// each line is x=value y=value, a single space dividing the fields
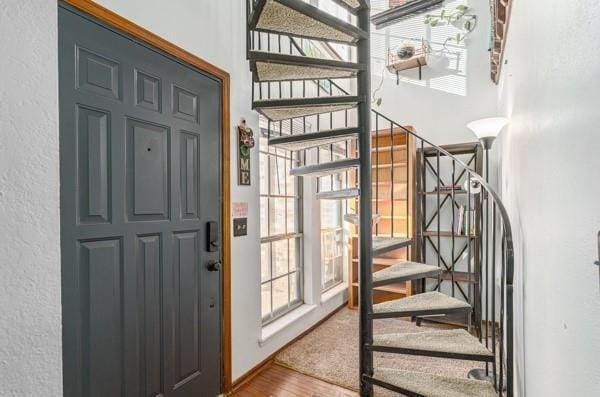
x=303 y=20
x=429 y=385
x=456 y=342
x=282 y=109
x=332 y=167
x=404 y=271
x=381 y=245
x=429 y=303
x=279 y=67
x=342 y=194
x=313 y=139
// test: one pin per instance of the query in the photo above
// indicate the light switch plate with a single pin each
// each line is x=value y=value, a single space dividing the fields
x=240 y=227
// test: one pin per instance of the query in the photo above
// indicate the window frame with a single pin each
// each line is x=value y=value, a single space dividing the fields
x=333 y=152
x=294 y=237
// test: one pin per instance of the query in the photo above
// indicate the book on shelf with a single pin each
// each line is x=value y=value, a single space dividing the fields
x=447 y=188
x=458 y=219
x=469 y=222
x=464 y=219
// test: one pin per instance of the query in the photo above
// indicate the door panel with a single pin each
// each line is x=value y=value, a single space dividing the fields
x=102 y=302
x=148 y=171
x=140 y=180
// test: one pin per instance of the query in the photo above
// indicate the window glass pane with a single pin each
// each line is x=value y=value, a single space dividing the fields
x=293 y=242
x=290 y=180
x=264 y=212
x=265 y=262
x=332 y=244
x=294 y=287
x=265 y=298
x=280 y=257
x=278 y=176
x=264 y=174
x=339 y=268
x=291 y=215
x=331 y=211
x=277 y=216
x=280 y=293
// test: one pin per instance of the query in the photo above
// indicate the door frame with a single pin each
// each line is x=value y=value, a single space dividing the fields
x=129 y=28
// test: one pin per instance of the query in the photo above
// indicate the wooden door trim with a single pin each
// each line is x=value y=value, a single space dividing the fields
x=114 y=20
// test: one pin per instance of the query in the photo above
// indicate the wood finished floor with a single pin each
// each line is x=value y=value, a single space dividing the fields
x=278 y=381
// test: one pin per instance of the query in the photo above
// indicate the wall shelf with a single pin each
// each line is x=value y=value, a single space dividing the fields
x=395 y=64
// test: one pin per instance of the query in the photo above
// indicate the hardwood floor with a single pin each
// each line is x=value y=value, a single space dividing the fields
x=278 y=381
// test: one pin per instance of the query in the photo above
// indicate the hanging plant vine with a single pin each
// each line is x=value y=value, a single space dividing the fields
x=458 y=18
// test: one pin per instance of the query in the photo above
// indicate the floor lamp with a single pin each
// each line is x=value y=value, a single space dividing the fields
x=486 y=131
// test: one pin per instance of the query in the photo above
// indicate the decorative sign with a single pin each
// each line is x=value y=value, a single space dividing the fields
x=245 y=143
x=239 y=210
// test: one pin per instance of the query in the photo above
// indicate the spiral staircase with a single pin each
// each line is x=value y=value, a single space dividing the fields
x=310 y=99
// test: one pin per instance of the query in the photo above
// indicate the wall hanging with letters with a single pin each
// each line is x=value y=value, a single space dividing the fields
x=245 y=143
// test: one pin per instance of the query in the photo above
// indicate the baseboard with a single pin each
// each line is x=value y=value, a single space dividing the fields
x=257 y=369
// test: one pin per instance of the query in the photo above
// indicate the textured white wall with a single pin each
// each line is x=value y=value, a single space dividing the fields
x=456 y=88
x=30 y=322
x=550 y=90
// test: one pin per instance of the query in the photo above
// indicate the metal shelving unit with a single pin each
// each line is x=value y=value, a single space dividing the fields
x=459 y=253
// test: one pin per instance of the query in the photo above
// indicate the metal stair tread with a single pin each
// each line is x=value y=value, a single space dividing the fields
x=268 y=66
x=281 y=109
x=342 y=194
x=428 y=303
x=382 y=245
x=404 y=271
x=323 y=169
x=354 y=219
x=430 y=385
x=454 y=343
x=313 y=139
x=303 y=20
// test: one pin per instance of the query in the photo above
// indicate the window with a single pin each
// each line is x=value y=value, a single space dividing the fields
x=280 y=229
x=332 y=230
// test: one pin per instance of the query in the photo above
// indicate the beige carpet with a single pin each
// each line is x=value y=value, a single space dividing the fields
x=330 y=352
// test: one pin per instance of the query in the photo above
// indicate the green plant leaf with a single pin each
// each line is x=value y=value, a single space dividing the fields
x=462 y=8
x=468 y=25
x=434 y=22
x=459 y=38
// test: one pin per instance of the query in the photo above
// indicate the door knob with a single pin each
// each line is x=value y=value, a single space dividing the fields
x=214 y=266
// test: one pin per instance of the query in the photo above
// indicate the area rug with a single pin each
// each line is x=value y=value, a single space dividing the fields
x=330 y=353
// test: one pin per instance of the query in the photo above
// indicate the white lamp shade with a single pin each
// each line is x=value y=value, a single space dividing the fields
x=489 y=127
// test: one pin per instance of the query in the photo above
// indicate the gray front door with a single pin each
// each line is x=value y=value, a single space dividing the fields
x=140 y=183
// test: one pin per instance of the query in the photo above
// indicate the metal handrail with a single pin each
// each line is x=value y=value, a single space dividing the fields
x=507 y=261
x=484 y=184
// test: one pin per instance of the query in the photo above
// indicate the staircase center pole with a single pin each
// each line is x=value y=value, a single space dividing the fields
x=365 y=205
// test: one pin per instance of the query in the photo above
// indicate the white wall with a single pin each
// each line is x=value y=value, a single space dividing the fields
x=455 y=88
x=30 y=322
x=550 y=90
